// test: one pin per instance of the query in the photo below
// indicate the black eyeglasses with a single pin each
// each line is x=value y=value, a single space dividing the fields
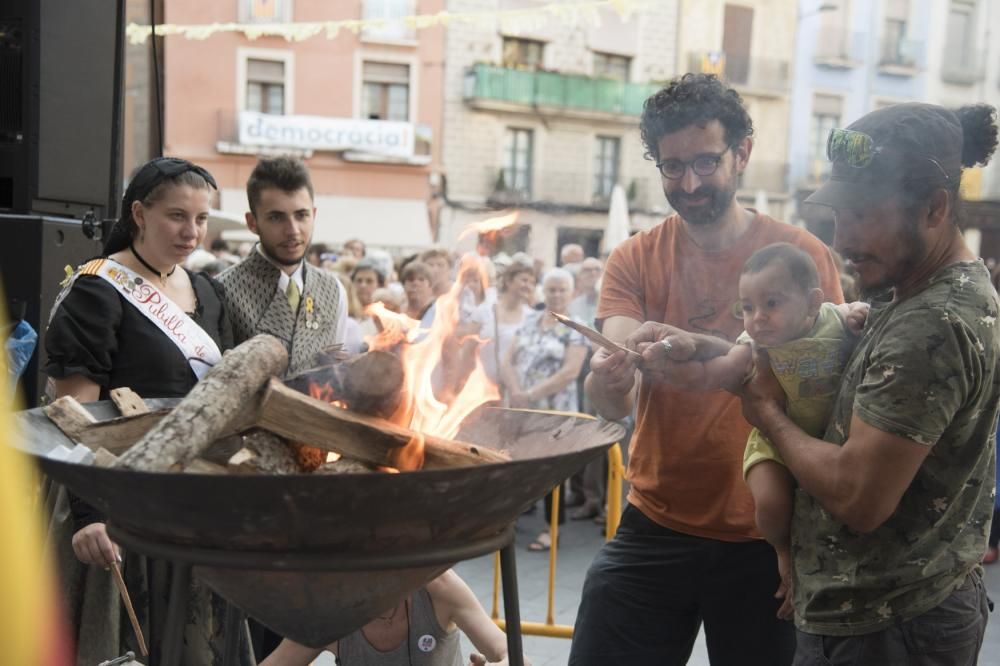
x=703 y=165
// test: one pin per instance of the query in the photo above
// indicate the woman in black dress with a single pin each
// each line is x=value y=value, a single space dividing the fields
x=100 y=339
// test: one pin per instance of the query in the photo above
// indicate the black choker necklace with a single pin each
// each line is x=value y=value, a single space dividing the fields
x=163 y=276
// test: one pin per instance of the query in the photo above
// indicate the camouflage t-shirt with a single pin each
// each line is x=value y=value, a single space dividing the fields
x=925 y=369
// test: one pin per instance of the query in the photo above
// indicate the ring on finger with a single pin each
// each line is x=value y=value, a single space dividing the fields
x=667 y=347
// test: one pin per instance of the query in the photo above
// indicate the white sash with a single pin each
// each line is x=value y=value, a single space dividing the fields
x=197 y=346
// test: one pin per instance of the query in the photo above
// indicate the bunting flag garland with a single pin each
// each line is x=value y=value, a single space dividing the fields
x=513 y=20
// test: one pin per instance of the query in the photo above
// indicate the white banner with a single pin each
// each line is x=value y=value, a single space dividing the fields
x=381 y=137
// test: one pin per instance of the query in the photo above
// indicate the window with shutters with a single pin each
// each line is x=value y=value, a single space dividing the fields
x=826 y=114
x=963 y=63
x=385 y=91
x=517 y=157
x=390 y=25
x=606 y=159
x=896 y=48
x=522 y=53
x=265 y=90
x=610 y=66
x=265 y=11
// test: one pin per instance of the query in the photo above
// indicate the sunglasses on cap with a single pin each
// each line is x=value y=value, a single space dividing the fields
x=858 y=150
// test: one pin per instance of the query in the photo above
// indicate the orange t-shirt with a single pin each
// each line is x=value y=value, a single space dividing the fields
x=686 y=456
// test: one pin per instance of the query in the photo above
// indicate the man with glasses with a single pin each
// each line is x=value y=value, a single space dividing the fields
x=895 y=502
x=687 y=551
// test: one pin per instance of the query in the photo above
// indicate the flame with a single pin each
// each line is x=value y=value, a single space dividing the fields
x=490 y=228
x=440 y=387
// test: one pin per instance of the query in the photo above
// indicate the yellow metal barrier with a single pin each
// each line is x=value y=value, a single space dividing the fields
x=616 y=476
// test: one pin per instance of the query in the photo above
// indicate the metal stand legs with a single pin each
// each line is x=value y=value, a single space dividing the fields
x=511 y=607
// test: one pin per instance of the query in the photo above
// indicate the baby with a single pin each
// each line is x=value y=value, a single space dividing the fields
x=808 y=343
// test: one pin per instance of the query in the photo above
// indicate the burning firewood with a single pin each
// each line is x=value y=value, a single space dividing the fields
x=370 y=383
x=344 y=466
x=372 y=440
x=263 y=453
x=221 y=400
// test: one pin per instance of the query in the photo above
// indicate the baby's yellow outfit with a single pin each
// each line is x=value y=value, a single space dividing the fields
x=809 y=370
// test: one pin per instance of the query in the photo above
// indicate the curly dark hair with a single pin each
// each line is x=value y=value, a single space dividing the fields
x=692 y=99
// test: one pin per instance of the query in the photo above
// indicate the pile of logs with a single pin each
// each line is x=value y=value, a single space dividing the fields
x=240 y=418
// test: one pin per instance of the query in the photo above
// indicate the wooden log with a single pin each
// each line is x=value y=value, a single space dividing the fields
x=119 y=434
x=128 y=402
x=272 y=453
x=370 y=383
x=69 y=416
x=212 y=407
x=344 y=466
x=297 y=417
x=104 y=458
x=202 y=466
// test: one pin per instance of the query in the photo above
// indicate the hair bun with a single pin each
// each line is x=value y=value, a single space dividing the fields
x=979 y=133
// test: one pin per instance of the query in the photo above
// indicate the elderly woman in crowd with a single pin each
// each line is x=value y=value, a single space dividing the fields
x=497 y=322
x=543 y=361
x=102 y=337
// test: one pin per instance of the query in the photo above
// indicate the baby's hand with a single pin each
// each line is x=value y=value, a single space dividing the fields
x=857 y=314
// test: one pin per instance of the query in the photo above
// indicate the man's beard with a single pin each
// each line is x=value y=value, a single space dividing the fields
x=271 y=252
x=916 y=248
x=719 y=201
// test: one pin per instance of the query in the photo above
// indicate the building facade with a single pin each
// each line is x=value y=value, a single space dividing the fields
x=963 y=67
x=749 y=44
x=851 y=57
x=363 y=108
x=541 y=116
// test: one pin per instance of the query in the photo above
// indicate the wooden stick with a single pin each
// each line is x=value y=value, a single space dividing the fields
x=123 y=591
x=300 y=418
x=69 y=416
x=128 y=402
x=594 y=336
x=212 y=408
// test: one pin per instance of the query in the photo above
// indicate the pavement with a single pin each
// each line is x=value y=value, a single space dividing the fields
x=579 y=542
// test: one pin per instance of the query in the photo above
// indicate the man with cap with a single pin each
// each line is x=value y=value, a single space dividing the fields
x=894 y=503
x=274 y=290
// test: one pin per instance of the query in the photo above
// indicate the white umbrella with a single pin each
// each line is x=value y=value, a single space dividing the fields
x=760 y=203
x=618 y=220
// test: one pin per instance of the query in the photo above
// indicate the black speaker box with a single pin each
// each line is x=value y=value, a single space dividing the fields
x=60 y=100
x=33 y=256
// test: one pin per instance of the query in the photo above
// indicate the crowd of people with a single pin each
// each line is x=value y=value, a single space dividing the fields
x=793 y=456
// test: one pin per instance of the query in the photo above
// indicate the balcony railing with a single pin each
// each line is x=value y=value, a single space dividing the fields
x=555 y=90
x=963 y=66
x=900 y=54
x=751 y=72
x=557 y=186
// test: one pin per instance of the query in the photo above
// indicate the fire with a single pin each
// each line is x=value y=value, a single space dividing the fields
x=490 y=229
x=435 y=397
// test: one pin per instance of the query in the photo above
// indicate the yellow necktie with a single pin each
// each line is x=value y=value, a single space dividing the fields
x=293 y=296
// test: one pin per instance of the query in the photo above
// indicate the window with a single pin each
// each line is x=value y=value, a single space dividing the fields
x=524 y=53
x=609 y=66
x=606 y=153
x=826 y=115
x=385 y=93
x=392 y=12
x=265 y=86
x=265 y=11
x=832 y=39
x=895 y=49
x=517 y=154
x=959 y=56
x=737 y=35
